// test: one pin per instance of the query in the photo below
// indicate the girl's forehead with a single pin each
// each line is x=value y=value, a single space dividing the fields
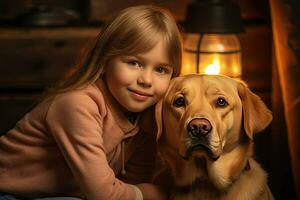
x=158 y=52
x=145 y=47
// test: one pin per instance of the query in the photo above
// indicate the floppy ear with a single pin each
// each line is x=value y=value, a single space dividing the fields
x=159 y=108
x=158 y=118
x=256 y=115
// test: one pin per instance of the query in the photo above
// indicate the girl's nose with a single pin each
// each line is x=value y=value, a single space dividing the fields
x=145 y=79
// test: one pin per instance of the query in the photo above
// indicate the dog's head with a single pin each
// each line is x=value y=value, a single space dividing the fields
x=205 y=115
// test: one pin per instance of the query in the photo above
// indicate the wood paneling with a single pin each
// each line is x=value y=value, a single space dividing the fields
x=31 y=58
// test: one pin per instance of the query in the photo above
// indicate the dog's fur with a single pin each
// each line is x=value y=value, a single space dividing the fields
x=215 y=162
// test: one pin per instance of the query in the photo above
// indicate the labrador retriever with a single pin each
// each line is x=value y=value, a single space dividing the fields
x=205 y=136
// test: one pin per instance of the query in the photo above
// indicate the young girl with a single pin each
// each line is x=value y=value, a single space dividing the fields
x=83 y=139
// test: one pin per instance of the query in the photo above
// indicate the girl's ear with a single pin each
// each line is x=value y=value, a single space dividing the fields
x=256 y=115
x=158 y=118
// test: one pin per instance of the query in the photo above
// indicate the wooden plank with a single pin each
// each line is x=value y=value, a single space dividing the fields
x=39 y=57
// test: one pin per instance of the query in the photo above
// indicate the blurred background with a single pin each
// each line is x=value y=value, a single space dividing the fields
x=41 y=40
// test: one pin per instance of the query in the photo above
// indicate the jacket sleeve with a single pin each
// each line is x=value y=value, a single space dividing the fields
x=75 y=122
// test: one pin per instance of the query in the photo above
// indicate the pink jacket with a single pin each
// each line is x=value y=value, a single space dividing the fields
x=70 y=145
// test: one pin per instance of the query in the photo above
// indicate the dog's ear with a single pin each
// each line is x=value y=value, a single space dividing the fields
x=159 y=108
x=256 y=115
x=158 y=118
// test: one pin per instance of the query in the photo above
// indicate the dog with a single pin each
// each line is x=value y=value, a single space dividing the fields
x=205 y=134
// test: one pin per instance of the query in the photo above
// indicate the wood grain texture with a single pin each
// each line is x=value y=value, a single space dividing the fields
x=39 y=57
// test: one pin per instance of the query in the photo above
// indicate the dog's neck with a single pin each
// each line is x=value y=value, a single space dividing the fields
x=206 y=185
x=198 y=184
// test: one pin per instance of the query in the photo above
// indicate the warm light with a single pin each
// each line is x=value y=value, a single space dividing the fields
x=187 y=68
x=212 y=54
x=213 y=68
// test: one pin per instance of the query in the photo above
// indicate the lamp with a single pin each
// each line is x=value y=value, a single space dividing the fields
x=211 y=45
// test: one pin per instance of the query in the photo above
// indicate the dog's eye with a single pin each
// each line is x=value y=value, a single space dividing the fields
x=221 y=102
x=179 y=102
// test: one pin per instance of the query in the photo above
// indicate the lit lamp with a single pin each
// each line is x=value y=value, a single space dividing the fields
x=210 y=43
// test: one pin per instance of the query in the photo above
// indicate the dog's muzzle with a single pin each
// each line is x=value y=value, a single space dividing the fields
x=199 y=130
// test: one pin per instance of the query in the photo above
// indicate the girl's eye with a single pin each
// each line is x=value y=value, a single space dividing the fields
x=162 y=70
x=179 y=102
x=221 y=102
x=134 y=63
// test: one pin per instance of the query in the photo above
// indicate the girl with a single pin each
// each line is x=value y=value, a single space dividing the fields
x=83 y=139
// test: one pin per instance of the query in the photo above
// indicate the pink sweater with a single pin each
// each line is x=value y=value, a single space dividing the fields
x=70 y=145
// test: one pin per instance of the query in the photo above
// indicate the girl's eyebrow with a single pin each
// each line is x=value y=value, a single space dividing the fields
x=165 y=64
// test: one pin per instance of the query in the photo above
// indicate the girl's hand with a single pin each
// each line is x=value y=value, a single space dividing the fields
x=152 y=192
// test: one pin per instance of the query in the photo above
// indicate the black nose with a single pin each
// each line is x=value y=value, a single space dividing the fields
x=199 y=127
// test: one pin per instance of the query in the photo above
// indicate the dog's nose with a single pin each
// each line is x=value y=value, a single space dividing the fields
x=199 y=127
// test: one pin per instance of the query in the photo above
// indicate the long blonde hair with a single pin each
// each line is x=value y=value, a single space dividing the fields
x=134 y=30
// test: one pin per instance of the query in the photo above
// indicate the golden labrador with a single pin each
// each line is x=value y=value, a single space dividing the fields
x=205 y=136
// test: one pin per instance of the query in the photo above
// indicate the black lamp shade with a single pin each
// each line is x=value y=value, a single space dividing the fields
x=213 y=16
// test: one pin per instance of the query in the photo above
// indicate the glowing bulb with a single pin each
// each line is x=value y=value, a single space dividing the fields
x=213 y=68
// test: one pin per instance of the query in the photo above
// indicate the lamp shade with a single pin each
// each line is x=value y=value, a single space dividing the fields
x=213 y=16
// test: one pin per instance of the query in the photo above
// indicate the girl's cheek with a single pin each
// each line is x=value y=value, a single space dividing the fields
x=122 y=75
x=162 y=87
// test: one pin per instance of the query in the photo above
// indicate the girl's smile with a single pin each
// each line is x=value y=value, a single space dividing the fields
x=139 y=95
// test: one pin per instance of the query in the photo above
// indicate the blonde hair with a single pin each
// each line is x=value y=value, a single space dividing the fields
x=134 y=30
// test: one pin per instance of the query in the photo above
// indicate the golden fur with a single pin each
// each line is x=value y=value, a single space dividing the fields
x=205 y=136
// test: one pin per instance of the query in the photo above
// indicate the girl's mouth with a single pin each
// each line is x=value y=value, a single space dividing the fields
x=139 y=95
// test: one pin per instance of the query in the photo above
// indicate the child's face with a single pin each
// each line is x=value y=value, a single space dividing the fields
x=139 y=81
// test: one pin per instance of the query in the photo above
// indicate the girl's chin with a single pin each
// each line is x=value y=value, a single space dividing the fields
x=137 y=109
